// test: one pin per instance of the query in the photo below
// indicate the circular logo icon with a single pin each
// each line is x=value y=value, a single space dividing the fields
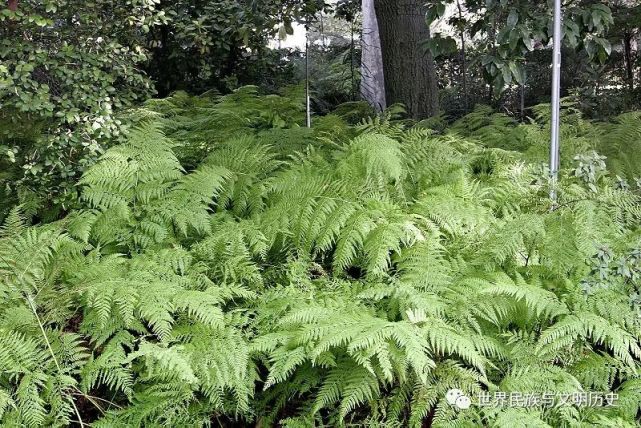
x=463 y=402
x=458 y=399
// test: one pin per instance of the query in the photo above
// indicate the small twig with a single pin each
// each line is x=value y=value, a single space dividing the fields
x=92 y=397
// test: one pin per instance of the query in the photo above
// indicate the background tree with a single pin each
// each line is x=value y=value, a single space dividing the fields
x=410 y=74
x=506 y=33
x=221 y=44
x=625 y=32
x=334 y=58
x=65 y=67
x=348 y=10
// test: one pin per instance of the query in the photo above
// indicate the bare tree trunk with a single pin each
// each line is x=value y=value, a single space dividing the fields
x=410 y=73
x=627 y=55
x=372 y=79
x=492 y=37
x=466 y=96
x=13 y=5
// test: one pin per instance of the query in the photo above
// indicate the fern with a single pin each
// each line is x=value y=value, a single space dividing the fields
x=223 y=269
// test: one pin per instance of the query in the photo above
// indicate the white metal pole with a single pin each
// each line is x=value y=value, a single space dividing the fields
x=308 y=106
x=556 y=99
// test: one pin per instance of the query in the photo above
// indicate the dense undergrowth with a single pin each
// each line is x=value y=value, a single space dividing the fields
x=225 y=267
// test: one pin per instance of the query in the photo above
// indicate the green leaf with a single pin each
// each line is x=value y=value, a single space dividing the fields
x=517 y=72
x=289 y=29
x=40 y=21
x=439 y=45
x=605 y=44
x=435 y=11
x=512 y=19
x=507 y=75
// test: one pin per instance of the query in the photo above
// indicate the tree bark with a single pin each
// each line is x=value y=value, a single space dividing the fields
x=372 y=79
x=466 y=97
x=13 y=5
x=409 y=69
x=627 y=55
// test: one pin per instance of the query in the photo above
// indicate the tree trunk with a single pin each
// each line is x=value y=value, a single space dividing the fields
x=466 y=97
x=410 y=73
x=372 y=80
x=13 y=5
x=627 y=55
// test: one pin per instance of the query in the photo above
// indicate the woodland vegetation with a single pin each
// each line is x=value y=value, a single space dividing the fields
x=178 y=248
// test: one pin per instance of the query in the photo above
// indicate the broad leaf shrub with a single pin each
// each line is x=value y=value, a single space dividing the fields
x=351 y=280
x=67 y=68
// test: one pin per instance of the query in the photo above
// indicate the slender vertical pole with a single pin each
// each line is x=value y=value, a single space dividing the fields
x=351 y=59
x=522 y=105
x=308 y=106
x=556 y=100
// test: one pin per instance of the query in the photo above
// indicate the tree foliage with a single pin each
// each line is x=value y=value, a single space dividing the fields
x=505 y=32
x=66 y=68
